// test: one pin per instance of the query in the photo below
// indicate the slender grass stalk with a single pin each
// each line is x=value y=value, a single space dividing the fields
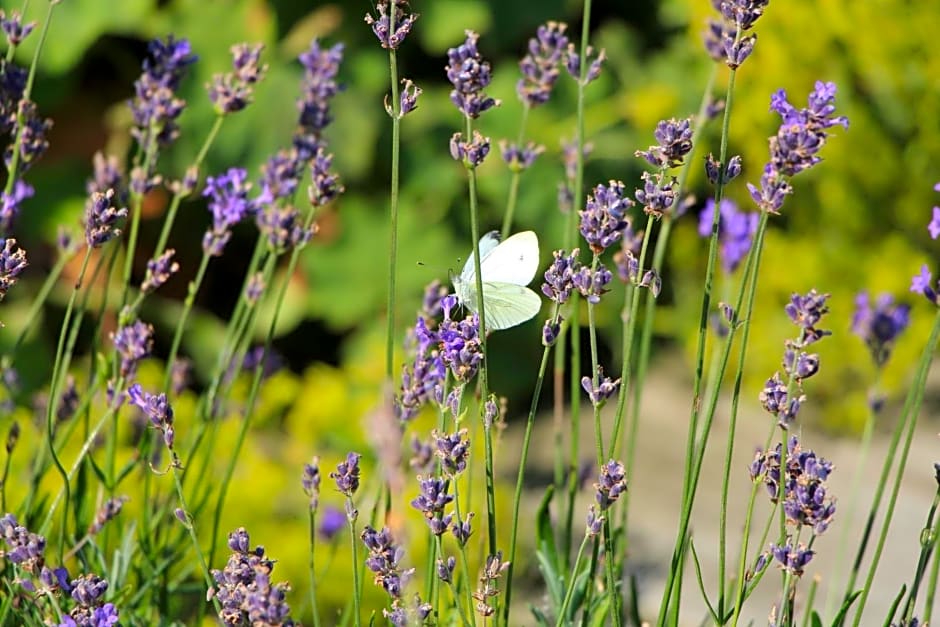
x=193 y=289
x=909 y=417
x=33 y=315
x=453 y=590
x=854 y=493
x=569 y=592
x=517 y=496
x=649 y=313
x=688 y=484
x=207 y=576
x=928 y=542
x=927 y=616
x=395 y=114
x=464 y=562
x=484 y=382
x=353 y=541
x=571 y=235
x=312 y=518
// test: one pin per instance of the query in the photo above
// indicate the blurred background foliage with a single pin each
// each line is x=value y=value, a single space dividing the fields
x=856 y=222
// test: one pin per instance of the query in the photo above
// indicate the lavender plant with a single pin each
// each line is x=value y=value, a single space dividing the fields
x=114 y=510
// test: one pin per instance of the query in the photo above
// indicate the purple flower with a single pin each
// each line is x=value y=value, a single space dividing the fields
x=229 y=204
x=324 y=185
x=658 y=193
x=33 y=142
x=605 y=388
x=880 y=326
x=159 y=271
x=604 y=218
x=611 y=485
x=792 y=559
x=68 y=400
x=595 y=522
x=244 y=589
x=423 y=379
x=23 y=548
x=284 y=227
x=101 y=219
x=346 y=475
x=573 y=64
x=520 y=158
x=157 y=410
x=132 y=342
x=12 y=86
x=550 y=331
x=331 y=523
x=10 y=204
x=280 y=176
x=775 y=399
x=232 y=91
x=470 y=75
x=382 y=26
x=674 y=139
x=87 y=590
x=311 y=482
x=321 y=66
x=540 y=66
x=431 y=502
x=559 y=277
x=384 y=560
x=488 y=586
x=462 y=530
x=715 y=173
x=934 y=226
x=797 y=143
x=14 y=28
x=155 y=107
x=445 y=570
x=109 y=511
x=807 y=311
x=921 y=284
x=107 y=175
x=735 y=231
x=460 y=344
x=408 y=98
x=12 y=264
x=592 y=284
x=452 y=450
x=471 y=153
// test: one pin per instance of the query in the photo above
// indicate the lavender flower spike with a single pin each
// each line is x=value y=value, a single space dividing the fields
x=157 y=409
x=229 y=204
x=470 y=75
x=674 y=139
x=101 y=219
x=155 y=107
x=232 y=92
x=12 y=264
x=382 y=25
x=604 y=218
x=159 y=271
x=346 y=475
x=540 y=66
x=880 y=326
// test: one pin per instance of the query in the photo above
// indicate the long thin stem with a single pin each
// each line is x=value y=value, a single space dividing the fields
x=563 y=610
x=909 y=416
x=687 y=498
x=513 y=197
x=312 y=517
x=393 y=208
x=517 y=497
x=184 y=316
x=354 y=544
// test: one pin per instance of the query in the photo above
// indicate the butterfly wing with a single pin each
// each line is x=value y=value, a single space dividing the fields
x=488 y=243
x=515 y=260
x=507 y=305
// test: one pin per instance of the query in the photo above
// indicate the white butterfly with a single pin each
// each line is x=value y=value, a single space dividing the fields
x=506 y=269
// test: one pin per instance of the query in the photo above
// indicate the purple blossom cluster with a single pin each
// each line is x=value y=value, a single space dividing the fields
x=132 y=342
x=674 y=142
x=539 y=66
x=736 y=231
x=658 y=193
x=604 y=217
x=792 y=558
x=806 y=500
x=728 y=39
x=470 y=74
x=573 y=63
x=423 y=379
x=157 y=409
x=346 y=475
x=155 y=106
x=567 y=274
x=244 y=589
x=91 y=610
x=106 y=513
x=453 y=451
x=311 y=482
x=391 y=26
x=781 y=397
x=470 y=153
x=159 y=271
x=431 y=501
x=923 y=283
x=611 y=484
x=797 y=143
x=12 y=264
x=459 y=342
x=385 y=561
x=520 y=158
x=233 y=91
x=14 y=28
x=11 y=203
x=101 y=218
x=23 y=548
x=602 y=391
x=229 y=205
x=879 y=324
x=489 y=586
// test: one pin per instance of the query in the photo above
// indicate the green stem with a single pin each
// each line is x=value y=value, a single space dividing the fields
x=909 y=416
x=687 y=497
x=513 y=197
x=928 y=541
x=207 y=576
x=563 y=611
x=312 y=515
x=184 y=316
x=517 y=497
x=355 y=564
x=393 y=211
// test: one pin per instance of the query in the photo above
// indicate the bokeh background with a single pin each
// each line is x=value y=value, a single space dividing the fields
x=855 y=222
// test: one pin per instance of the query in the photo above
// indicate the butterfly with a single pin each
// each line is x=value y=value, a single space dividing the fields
x=506 y=269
